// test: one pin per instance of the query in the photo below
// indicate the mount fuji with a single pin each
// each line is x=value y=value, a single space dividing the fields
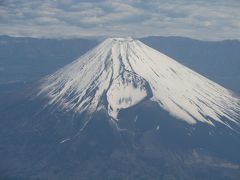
x=121 y=110
x=122 y=72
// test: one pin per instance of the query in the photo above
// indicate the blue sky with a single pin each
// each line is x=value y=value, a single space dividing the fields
x=200 y=19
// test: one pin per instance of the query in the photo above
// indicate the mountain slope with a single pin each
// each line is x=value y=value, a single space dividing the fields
x=121 y=72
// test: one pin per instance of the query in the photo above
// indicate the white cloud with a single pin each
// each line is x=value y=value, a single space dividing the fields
x=201 y=19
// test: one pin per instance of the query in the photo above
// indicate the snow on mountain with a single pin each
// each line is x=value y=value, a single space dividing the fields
x=121 y=72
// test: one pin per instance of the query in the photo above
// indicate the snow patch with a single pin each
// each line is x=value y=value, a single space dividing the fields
x=126 y=90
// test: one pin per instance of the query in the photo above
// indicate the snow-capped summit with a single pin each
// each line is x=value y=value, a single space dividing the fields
x=122 y=72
